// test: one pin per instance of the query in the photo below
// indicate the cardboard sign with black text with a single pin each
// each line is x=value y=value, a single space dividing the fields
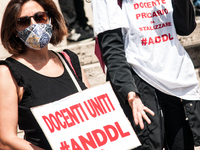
x=91 y=119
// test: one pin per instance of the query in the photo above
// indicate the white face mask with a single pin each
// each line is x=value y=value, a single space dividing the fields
x=36 y=36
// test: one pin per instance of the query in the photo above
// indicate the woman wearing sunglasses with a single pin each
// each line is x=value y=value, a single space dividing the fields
x=33 y=75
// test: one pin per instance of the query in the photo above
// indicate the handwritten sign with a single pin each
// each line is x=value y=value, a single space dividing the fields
x=91 y=119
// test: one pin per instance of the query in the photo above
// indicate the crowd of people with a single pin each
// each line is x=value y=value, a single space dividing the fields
x=76 y=20
x=150 y=72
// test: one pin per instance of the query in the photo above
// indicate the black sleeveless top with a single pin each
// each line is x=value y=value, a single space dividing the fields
x=39 y=90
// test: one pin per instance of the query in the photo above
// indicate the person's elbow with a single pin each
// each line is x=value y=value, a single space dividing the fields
x=187 y=30
x=7 y=142
x=4 y=144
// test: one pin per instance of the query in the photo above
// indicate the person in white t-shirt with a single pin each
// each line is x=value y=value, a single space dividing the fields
x=150 y=70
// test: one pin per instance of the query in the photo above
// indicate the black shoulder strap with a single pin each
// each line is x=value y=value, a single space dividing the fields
x=2 y=62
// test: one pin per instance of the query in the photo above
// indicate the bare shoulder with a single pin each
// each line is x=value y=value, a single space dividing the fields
x=4 y=71
x=6 y=79
x=4 y=67
x=8 y=84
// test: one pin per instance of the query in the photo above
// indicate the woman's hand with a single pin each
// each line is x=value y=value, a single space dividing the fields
x=84 y=78
x=138 y=109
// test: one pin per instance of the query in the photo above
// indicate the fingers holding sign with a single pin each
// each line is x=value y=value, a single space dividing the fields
x=139 y=110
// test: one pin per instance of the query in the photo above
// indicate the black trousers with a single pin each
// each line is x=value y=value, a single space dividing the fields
x=170 y=128
x=73 y=12
x=178 y=135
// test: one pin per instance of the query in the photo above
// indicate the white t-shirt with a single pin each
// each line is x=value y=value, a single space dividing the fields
x=107 y=15
x=151 y=43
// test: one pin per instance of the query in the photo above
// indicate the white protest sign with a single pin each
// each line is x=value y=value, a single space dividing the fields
x=91 y=119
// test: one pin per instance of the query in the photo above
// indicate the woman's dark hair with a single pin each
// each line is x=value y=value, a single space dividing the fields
x=9 y=38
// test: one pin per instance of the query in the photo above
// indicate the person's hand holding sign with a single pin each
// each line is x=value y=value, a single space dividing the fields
x=138 y=109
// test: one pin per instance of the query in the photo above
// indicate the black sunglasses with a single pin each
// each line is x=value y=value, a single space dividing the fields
x=39 y=17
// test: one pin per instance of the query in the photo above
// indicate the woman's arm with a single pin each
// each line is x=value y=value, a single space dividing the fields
x=184 y=17
x=84 y=78
x=10 y=94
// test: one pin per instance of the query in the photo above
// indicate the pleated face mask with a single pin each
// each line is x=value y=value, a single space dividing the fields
x=36 y=36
